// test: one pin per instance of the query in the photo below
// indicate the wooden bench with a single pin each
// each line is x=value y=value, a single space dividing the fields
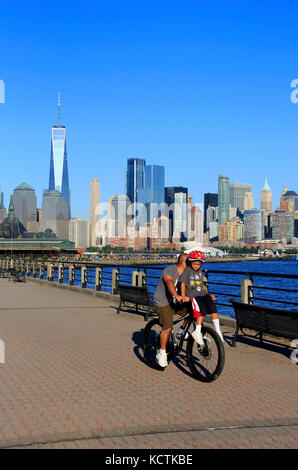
x=136 y=296
x=273 y=321
x=16 y=276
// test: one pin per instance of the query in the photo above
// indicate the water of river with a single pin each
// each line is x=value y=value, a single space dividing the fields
x=222 y=291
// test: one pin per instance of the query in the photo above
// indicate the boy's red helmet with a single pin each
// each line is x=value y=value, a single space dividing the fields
x=196 y=256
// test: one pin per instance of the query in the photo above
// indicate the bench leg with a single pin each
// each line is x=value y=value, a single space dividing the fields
x=147 y=314
x=235 y=336
x=118 y=309
x=261 y=339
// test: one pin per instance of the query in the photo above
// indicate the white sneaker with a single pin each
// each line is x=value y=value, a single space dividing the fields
x=198 y=337
x=162 y=359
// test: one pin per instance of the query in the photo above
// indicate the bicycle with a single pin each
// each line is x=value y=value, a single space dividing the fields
x=205 y=362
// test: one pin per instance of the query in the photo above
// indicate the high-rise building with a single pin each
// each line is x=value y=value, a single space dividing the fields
x=196 y=226
x=223 y=199
x=135 y=178
x=153 y=194
x=58 y=180
x=237 y=194
x=94 y=212
x=24 y=201
x=2 y=208
x=79 y=232
x=253 y=225
x=210 y=200
x=282 y=226
x=170 y=193
x=180 y=216
x=1 y=198
x=117 y=216
x=55 y=213
x=266 y=198
x=248 y=201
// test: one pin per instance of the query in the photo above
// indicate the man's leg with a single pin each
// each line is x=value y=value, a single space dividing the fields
x=166 y=320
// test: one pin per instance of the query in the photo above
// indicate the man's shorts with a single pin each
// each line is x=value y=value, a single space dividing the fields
x=166 y=314
x=203 y=305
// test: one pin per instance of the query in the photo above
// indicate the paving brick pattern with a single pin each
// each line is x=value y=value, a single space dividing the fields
x=74 y=376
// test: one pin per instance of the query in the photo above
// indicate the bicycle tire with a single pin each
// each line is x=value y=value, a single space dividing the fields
x=206 y=364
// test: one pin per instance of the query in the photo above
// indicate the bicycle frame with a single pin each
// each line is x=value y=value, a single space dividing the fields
x=178 y=345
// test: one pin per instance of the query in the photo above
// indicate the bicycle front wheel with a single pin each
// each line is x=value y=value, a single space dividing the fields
x=206 y=363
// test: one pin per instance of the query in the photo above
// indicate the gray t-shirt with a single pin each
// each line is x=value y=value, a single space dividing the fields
x=194 y=284
x=162 y=296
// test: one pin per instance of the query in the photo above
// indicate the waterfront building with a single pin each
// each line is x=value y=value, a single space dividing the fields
x=94 y=212
x=282 y=226
x=24 y=201
x=135 y=179
x=237 y=194
x=253 y=225
x=55 y=213
x=227 y=232
x=248 y=201
x=196 y=227
x=210 y=200
x=58 y=179
x=153 y=193
x=266 y=198
x=223 y=199
x=79 y=232
x=3 y=212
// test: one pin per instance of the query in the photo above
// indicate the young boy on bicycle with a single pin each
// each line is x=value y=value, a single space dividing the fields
x=194 y=290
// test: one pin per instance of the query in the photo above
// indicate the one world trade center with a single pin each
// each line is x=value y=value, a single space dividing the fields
x=58 y=180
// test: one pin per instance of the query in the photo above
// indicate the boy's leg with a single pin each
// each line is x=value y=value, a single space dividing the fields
x=214 y=315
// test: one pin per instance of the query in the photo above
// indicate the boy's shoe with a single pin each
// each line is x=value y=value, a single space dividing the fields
x=198 y=337
x=162 y=359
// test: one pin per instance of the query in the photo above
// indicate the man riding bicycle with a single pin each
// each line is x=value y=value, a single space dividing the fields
x=169 y=302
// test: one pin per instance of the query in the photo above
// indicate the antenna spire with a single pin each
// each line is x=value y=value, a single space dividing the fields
x=58 y=108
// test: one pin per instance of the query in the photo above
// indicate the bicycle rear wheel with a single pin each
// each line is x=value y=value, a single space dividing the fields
x=206 y=363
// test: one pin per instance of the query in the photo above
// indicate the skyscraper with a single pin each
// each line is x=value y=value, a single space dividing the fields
x=170 y=193
x=58 y=179
x=24 y=201
x=94 y=211
x=79 y=232
x=154 y=191
x=55 y=213
x=210 y=199
x=266 y=198
x=237 y=194
x=223 y=199
x=135 y=178
x=253 y=225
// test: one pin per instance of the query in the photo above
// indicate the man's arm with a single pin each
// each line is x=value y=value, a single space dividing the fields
x=170 y=285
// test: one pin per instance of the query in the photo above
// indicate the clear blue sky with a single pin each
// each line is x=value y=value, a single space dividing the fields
x=202 y=87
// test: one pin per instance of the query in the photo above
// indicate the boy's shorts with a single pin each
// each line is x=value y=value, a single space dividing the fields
x=166 y=314
x=203 y=305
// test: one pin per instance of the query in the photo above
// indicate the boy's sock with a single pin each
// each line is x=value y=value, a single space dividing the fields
x=198 y=328
x=217 y=327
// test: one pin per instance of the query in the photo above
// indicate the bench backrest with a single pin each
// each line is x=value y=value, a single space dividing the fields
x=278 y=322
x=134 y=294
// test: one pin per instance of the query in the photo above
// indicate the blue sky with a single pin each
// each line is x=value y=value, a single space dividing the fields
x=202 y=87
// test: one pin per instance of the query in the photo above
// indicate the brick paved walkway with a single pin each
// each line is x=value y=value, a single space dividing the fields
x=74 y=376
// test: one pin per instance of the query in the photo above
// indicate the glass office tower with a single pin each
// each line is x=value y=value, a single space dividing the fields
x=135 y=177
x=223 y=199
x=153 y=193
x=58 y=180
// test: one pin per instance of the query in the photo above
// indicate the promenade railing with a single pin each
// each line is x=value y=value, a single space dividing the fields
x=260 y=288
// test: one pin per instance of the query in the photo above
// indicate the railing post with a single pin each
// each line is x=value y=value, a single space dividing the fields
x=98 y=278
x=34 y=266
x=135 y=278
x=41 y=271
x=84 y=276
x=17 y=265
x=28 y=268
x=71 y=274
x=60 y=273
x=50 y=272
x=115 y=280
x=141 y=279
x=246 y=291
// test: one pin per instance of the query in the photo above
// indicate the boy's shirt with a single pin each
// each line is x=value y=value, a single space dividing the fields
x=194 y=284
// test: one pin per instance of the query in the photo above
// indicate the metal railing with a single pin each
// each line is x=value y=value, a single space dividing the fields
x=250 y=287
